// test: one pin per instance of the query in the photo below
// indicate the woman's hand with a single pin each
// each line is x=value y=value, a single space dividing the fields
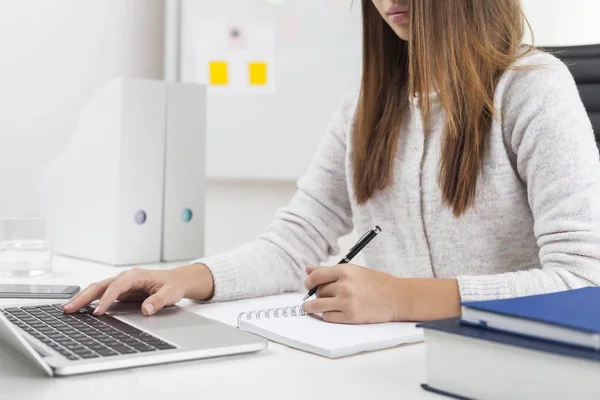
x=352 y=294
x=156 y=288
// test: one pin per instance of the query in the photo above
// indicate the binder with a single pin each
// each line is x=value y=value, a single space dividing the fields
x=184 y=186
x=102 y=196
x=129 y=188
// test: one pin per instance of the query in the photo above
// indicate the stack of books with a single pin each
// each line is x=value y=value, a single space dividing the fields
x=536 y=347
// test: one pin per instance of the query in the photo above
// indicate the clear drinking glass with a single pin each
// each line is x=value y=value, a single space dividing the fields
x=24 y=250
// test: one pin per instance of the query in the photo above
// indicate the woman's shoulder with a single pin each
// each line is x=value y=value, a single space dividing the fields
x=349 y=105
x=539 y=87
x=534 y=73
x=534 y=57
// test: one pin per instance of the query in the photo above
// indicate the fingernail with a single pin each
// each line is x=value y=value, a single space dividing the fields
x=149 y=309
x=67 y=306
x=97 y=311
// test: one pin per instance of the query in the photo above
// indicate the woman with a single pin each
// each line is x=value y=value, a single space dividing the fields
x=473 y=153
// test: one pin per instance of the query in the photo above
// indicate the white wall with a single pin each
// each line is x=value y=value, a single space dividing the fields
x=564 y=22
x=237 y=212
x=53 y=55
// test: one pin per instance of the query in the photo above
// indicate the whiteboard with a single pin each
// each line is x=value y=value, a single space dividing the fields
x=316 y=64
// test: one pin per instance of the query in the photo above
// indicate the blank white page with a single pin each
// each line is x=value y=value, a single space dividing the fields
x=310 y=333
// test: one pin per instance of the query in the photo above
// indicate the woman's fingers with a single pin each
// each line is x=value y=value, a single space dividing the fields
x=321 y=276
x=330 y=307
x=327 y=290
x=321 y=305
x=89 y=294
x=112 y=292
x=166 y=295
x=133 y=295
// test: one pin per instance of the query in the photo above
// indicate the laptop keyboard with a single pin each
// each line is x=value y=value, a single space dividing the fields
x=82 y=335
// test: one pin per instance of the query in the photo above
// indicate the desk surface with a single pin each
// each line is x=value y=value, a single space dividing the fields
x=275 y=373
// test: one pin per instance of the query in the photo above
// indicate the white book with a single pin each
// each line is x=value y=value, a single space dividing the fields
x=290 y=326
x=474 y=368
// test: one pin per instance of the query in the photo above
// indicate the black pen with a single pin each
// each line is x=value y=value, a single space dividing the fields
x=362 y=242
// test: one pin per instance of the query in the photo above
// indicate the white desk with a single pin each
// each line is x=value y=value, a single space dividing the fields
x=275 y=373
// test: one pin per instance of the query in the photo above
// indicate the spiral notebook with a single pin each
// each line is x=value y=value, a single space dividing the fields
x=290 y=326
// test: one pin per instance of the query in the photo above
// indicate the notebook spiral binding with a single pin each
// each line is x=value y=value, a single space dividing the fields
x=280 y=312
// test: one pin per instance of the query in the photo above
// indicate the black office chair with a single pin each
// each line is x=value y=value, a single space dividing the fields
x=584 y=63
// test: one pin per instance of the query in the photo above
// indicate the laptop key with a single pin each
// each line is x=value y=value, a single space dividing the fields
x=88 y=355
x=146 y=349
x=142 y=347
x=80 y=351
x=73 y=347
x=106 y=353
x=62 y=328
x=116 y=324
x=12 y=309
x=154 y=342
x=164 y=346
x=121 y=336
x=55 y=346
x=129 y=340
x=124 y=350
x=146 y=338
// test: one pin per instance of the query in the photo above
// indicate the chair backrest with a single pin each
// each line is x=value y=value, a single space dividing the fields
x=584 y=63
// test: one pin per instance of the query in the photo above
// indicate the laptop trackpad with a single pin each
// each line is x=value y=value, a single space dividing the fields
x=167 y=318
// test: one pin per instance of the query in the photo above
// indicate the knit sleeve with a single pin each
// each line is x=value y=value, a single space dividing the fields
x=550 y=134
x=303 y=233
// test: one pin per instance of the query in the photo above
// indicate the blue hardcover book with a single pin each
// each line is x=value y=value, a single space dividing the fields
x=471 y=362
x=572 y=316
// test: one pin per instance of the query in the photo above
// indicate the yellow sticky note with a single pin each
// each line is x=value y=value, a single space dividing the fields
x=258 y=73
x=218 y=73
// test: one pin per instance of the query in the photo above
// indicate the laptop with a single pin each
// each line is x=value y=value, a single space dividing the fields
x=68 y=344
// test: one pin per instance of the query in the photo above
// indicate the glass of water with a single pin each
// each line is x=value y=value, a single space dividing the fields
x=24 y=250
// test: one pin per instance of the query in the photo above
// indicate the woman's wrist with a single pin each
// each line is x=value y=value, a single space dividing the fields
x=426 y=299
x=197 y=281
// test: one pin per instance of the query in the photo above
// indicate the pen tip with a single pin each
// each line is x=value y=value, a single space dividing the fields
x=377 y=229
x=306 y=297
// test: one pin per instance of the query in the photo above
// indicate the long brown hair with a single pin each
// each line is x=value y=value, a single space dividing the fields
x=458 y=48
